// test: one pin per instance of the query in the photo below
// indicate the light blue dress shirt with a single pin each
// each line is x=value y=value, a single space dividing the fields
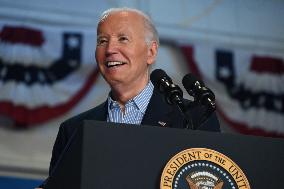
x=134 y=108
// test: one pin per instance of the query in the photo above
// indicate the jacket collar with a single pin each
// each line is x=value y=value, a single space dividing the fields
x=158 y=111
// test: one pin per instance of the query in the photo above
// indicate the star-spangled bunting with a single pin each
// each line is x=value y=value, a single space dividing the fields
x=248 y=86
x=44 y=71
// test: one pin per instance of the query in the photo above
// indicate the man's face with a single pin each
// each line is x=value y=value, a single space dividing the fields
x=122 y=54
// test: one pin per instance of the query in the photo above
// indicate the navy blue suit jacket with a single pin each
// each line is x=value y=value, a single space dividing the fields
x=158 y=113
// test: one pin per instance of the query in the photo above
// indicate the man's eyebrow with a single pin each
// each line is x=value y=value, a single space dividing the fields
x=101 y=36
x=122 y=34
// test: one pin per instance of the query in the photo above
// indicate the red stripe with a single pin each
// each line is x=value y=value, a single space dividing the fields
x=24 y=35
x=267 y=65
x=24 y=116
x=188 y=53
x=240 y=127
x=244 y=129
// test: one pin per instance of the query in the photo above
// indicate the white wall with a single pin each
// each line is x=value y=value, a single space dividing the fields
x=234 y=22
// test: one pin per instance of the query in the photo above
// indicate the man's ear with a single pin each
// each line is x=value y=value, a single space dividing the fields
x=152 y=52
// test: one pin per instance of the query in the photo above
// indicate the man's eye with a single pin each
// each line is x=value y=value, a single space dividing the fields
x=123 y=38
x=101 y=41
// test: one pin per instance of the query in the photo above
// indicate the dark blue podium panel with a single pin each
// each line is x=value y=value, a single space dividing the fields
x=109 y=155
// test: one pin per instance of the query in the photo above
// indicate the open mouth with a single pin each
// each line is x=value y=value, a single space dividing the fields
x=111 y=64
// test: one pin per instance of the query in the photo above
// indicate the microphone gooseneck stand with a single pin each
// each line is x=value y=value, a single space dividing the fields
x=201 y=94
x=173 y=94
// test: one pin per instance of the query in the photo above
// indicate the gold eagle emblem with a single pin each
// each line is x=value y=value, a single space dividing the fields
x=204 y=180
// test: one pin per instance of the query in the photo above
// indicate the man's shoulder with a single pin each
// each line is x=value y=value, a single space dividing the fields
x=96 y=113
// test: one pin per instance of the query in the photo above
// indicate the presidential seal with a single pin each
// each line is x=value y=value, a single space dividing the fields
x=202 y=168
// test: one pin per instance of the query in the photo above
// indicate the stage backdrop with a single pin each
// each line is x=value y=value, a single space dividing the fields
x=248 y=84
x=44 y=70
x=47 y=63
x=48 y=71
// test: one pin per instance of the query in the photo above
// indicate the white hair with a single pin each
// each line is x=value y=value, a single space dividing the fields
x=151 y=31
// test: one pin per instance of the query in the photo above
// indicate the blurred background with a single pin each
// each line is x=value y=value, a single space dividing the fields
x=48 y=72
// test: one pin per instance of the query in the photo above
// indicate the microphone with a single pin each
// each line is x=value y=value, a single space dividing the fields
x=199 y=91
x=164 y=83
x=173 y=93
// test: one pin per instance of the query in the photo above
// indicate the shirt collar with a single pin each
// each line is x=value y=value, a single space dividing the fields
x=140 y=101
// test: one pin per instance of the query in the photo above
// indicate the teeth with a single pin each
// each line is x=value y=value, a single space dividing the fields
x=114 y=63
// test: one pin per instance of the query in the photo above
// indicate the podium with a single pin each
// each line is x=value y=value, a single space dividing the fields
x=119 y=156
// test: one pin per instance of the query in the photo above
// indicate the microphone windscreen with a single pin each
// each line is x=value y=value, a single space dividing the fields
x=157 y=75
x=189 y=80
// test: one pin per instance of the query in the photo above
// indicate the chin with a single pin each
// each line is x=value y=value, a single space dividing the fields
x=114 y=81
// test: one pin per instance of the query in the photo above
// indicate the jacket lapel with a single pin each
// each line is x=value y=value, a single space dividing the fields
x=158 y=112
x=100 y=112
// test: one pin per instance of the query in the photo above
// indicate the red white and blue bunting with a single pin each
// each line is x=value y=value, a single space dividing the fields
x=47 y=70
x=44 y=70
x=248 y=85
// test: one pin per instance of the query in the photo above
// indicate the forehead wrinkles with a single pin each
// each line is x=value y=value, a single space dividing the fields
x=115 y=32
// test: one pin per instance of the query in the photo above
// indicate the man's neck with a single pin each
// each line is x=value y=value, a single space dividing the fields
x=123 y=94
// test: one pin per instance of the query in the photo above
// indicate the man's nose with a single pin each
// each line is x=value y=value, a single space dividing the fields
x=111 y=47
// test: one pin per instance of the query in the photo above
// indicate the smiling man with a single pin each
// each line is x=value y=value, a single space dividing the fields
x=127 y=46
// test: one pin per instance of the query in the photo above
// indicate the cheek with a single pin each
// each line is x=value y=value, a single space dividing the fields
x=139 y=54
x=99 y=55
